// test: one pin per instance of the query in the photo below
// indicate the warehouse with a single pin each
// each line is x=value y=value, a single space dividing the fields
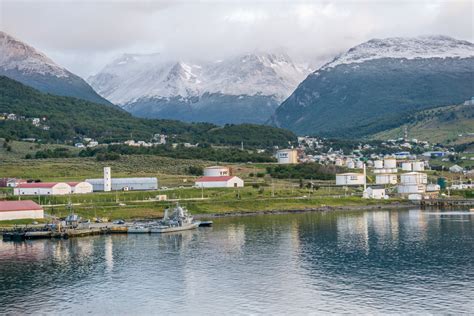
x=42 y=188
x=125 y=184
x=350 y=179
x=377 y=193
x=219 y=182
x=10 y=210
x=80 y=187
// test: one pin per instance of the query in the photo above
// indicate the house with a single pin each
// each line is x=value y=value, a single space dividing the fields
x=42 y=188
x=220 y=182
x=80 y=187
x=377 y=193
x=10 y=210
x=456 y=169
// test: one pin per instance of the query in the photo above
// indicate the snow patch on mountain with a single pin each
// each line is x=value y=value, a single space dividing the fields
x=16 y=55
x=134 y=77
x=406 y=48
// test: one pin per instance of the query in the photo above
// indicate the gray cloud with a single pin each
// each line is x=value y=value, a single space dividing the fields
x=84 y=35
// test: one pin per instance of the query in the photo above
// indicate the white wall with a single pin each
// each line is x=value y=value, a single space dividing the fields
x=216 y=172
x=231 y=183
x=386 y=179
x=21 y=214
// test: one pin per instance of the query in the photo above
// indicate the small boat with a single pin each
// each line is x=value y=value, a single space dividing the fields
x=179 y=220
x=38 y=234
x=206 y=224
x=138 y=229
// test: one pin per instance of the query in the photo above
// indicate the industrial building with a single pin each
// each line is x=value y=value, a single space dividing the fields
x=350 y=179
x=10 y=210
x=80 y=187
x=42 y=188
x=216 y=171
x=287 y=156
x=219 y=182
x=122 y=184
x=125 y=184
x=388 y=165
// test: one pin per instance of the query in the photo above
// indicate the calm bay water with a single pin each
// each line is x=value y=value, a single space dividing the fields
x=346 y=262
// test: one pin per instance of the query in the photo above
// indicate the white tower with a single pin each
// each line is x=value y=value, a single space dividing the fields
x=107 y=179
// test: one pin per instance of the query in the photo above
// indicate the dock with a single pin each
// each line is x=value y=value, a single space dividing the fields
x=447 y=203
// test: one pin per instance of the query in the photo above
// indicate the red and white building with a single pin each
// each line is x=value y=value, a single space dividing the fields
x=10 y=210
x=220 y=182
x=80 y=187
x=43 y=188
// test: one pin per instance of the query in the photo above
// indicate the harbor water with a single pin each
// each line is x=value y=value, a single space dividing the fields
x=377 y=262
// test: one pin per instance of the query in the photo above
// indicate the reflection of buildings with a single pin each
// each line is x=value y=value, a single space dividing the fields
x=352 y=232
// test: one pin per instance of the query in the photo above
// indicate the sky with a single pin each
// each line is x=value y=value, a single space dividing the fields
x=84 y=36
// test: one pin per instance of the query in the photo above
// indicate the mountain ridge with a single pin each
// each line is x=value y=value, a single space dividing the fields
x=355 y=99
x=23 y=63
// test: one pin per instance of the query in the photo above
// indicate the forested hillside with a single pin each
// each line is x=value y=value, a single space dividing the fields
x=69 y=118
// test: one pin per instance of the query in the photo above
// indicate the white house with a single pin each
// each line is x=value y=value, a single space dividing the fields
x=42 y=188
x=80 y=187
x=10 y=210
x=350 y=179
x=219 y=182
x=386 y=178
x=375 y=193
x=216 y=171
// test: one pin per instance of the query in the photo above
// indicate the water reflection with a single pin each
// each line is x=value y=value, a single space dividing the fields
x=358 y=262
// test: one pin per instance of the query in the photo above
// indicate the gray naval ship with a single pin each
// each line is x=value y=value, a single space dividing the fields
x=179 y=219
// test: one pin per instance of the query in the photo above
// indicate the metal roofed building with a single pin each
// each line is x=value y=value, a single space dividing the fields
x=126 y=184
x=10 y=210
x=42 y=188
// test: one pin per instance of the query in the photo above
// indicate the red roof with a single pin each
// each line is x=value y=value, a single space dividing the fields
x=37 y=185
x=214 y=179
x=73 y=184
x=9 y=206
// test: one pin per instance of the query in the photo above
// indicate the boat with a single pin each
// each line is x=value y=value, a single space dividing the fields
x=206 y=224
x=14 y=236
x=138 y=229
x=38 y=234
x=179 y=220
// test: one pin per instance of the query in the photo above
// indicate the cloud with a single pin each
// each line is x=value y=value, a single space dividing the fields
x=85 y=35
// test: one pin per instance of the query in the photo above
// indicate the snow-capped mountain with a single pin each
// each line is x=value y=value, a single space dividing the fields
x=240 y=89
x=405 y=48
x=25 y=64
x=376 y=85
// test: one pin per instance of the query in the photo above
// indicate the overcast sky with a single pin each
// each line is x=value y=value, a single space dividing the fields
x=84 y=35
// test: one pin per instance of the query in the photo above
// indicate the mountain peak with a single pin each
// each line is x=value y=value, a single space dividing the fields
x=427 y=46
x=15 y=54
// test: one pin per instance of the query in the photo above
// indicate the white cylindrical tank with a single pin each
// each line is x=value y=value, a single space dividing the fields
x=386 y=179
x=390 y=163
x=216 y=171
x=413 y=178
x=406 y=166
x=359 y=164
x=411 y=189
x=378 y=164
x=350 y=164
x=418 y=166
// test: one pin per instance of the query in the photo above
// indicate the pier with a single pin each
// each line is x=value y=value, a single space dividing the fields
x=447 y=203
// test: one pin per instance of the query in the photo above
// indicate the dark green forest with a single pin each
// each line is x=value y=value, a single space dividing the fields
x=70 y=118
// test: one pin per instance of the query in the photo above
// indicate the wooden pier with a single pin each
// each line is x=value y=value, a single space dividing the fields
x=447 y=203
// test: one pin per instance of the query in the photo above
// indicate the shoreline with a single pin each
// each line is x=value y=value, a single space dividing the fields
x=308 y=210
